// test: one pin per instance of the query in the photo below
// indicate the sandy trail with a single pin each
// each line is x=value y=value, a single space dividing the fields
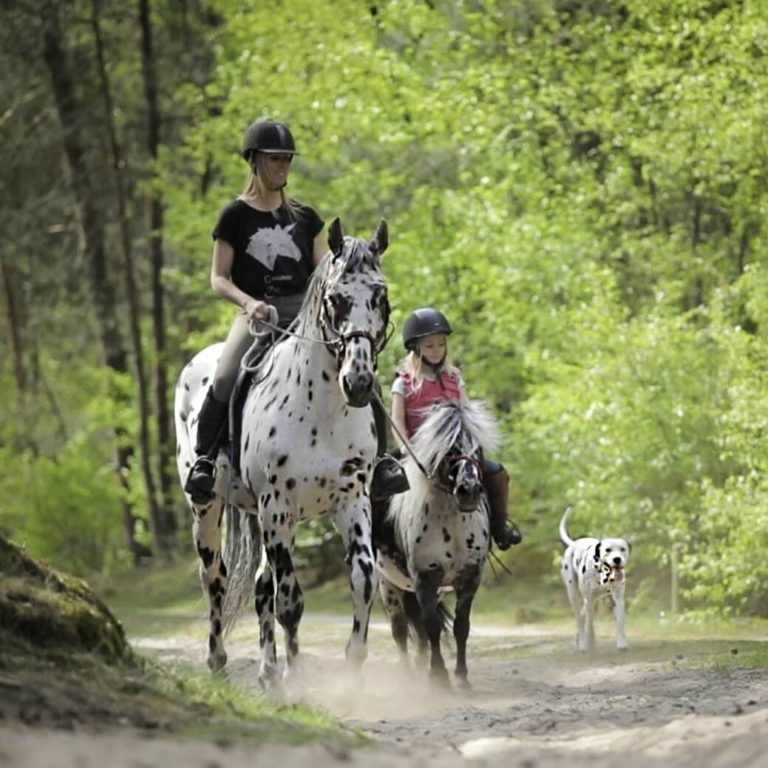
x=534 y=703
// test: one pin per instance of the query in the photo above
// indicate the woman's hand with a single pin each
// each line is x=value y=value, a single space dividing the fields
x=255 y=310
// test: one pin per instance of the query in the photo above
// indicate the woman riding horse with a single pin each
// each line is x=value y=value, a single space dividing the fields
x=266 y=246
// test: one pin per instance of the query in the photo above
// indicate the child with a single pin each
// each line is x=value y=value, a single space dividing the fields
x=425 y=378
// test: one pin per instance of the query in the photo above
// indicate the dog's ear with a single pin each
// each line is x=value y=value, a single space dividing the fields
x=597 y=551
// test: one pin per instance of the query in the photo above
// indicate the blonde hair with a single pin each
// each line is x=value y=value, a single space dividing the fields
x=252 y=189
x=413 y=365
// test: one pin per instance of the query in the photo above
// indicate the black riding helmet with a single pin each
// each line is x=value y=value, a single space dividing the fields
x=422 y=322
x=268 y=137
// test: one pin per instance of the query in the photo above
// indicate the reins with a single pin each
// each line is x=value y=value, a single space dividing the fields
x=399 y=434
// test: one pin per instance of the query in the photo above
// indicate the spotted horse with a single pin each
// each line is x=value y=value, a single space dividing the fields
x=307 y=447
x=435 y=537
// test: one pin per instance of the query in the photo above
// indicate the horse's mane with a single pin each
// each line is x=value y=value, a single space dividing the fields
x=468 y=426
x=355 y=257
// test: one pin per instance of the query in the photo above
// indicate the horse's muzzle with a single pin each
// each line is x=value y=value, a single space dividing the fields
x=358 y=390
x=468 y=497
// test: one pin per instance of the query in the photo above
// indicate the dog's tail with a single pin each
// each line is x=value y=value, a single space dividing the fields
x=566 y=539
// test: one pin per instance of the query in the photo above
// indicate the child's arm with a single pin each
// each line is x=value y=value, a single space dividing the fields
x=398 y=417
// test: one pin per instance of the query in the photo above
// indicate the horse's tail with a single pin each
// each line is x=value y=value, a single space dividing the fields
x=242 y=555
x=415 y=621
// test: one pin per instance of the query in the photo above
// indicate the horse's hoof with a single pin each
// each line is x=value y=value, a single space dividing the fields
x=217 y=661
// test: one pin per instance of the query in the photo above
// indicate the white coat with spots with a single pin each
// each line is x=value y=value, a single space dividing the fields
x=440 y=531
x=592 y=569
x=308 y=446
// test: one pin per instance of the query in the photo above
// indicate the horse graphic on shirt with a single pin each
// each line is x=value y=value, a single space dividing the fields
x=268 y=243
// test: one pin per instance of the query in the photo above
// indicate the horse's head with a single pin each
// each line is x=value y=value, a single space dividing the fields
x=355 y=308
x=450 y=443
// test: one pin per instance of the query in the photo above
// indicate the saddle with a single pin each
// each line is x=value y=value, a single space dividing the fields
x=249 y=368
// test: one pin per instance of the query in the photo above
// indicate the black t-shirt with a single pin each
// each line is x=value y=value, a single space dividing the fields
x=273 y=250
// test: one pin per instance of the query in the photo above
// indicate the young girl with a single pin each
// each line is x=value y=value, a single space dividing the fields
x=425 y=378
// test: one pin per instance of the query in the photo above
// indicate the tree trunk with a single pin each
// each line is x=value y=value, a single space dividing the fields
x=73 y=115
x=14 y=327
x=168 y=523
x=134 y=308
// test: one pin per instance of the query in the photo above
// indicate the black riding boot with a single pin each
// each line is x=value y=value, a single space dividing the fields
x=503 y=530
x=389 y=476
x=210 y=428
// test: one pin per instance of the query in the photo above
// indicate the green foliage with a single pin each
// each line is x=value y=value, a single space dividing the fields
x=580 y=186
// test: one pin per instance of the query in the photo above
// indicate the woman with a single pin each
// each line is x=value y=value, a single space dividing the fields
x=266 y=246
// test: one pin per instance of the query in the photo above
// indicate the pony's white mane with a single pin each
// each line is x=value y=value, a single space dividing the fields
x=467 y=426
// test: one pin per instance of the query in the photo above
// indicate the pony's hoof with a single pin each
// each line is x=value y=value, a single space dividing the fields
x=439 y=679
x=463 y=684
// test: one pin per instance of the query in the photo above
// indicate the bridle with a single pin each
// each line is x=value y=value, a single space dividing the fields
x=338 y=344
x=455 y=459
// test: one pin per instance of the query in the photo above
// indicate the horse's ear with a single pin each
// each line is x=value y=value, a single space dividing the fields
x=336 y=237
x=380 y=239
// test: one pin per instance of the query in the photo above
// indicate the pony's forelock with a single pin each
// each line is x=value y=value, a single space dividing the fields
x=468 y=425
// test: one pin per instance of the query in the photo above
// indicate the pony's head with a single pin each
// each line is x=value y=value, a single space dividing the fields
x=353 y=308
x=450 y=444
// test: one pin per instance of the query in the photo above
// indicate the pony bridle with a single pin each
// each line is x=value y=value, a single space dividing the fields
x=452 y=488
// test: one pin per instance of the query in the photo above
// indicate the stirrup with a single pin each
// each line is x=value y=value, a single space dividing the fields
x=389 y=478
x=508 y=536
x=201 y=480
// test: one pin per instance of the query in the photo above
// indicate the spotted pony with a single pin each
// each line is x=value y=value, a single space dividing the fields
x=436 y=534
x=307 y=447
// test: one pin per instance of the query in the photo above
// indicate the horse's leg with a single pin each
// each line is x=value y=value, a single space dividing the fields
x=206 y=530
x=353 y=522
x=465 y=594
x=392 y=597
x=289 y=600
x=426 y=585
x=265 y=610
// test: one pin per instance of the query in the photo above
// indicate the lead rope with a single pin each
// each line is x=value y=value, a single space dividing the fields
x=403 y=440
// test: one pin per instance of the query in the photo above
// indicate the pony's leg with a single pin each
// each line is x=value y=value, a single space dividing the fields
x=392 y=597
x=465 y=594
x=206 y=530
x=265 y=610
x=426 y=584
x=353 y=522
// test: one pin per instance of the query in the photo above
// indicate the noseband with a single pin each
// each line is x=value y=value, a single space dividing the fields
x=446 y=488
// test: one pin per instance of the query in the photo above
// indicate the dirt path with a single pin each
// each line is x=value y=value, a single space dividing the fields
x=533 y=703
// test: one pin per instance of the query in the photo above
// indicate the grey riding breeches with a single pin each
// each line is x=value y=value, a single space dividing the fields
x=239 y=340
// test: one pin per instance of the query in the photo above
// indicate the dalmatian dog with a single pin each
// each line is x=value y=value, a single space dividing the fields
x=592 y=569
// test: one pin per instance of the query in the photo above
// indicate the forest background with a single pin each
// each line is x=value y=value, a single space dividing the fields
x=580 y=185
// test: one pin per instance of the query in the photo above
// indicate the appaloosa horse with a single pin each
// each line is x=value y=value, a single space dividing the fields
x=436 y=536
x=307 y=447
